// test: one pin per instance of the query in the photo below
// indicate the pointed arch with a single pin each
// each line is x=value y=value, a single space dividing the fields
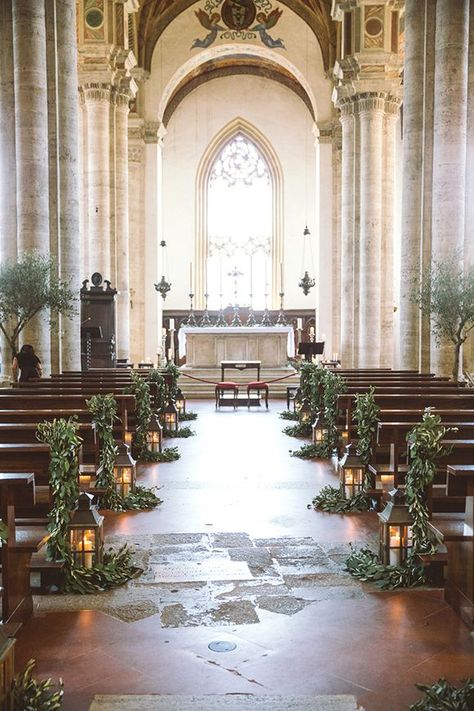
x=238 y=126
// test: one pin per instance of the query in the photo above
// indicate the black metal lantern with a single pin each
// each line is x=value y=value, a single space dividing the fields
x=85 y=533
x=351 y=474
x=306 y=282
x=320 y=432
x=124 y=471
x=305 y=413
x=180 y=401
x=169 y=417
x=396 y=538
x=163 y=285
x=154 y=437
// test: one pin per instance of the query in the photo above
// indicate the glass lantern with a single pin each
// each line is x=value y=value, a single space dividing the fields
x=154 y=437
x=351 y=474
x=128 y=438
x=320 y=432
x=180 y=402
x=305 y=413
x=124 y=471
x=85 y=533
x=297 y=401
x=396 y=538
x=169 y=417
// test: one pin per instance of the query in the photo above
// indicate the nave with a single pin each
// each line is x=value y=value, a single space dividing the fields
x=301 y=625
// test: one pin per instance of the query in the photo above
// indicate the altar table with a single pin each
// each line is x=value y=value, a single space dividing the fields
x=207 y=347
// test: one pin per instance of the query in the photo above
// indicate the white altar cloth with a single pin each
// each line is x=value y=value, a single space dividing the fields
x=254 y=333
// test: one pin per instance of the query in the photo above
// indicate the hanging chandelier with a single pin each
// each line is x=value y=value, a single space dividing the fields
x=306 y=282
x=163 y=286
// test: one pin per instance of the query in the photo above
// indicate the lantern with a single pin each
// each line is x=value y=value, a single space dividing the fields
x=128 y=438
x=305 y=413
x=351 y=474
x=396 y=539
x=87 y=475
x=85 y=532
x=169 y=417
x=154 y=437
x=345 y=437
x=320 y=432
x=124 y=471
x=385 y=480
x=180 y=401
x=297 y=400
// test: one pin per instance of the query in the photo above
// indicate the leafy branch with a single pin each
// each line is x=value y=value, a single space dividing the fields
x=365 y=565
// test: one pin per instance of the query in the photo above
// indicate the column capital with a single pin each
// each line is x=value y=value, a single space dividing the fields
x=371 y=101
x=155 y=132
x=95 y=91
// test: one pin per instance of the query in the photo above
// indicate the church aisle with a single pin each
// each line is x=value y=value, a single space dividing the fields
x=235 y=505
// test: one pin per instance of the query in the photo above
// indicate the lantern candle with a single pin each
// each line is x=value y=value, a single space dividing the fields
x=85 y=480
x=395 y=548
x=386 y=482
x=299 y=324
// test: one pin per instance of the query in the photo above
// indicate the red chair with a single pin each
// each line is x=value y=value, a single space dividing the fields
x=258 y=386
x=222 y=388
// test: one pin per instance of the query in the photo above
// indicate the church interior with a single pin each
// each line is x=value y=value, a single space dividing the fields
x=237 y=355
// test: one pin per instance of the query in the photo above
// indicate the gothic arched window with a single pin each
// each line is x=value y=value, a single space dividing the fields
x=239 y=225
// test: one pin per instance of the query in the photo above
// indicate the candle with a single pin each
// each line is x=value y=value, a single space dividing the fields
x=85 y=480
x=311 y=331
x=281 y=275
x=171 y=324
x=170 y=354
x=251 y=275
x=299 y=324
x=190 y=277
x=220 y=275
x=163 y=331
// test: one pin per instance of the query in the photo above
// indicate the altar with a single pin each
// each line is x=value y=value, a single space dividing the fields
x=206 y=347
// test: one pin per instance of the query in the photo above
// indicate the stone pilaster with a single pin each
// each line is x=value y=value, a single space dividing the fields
x=347 y=232
x=31 y=129
x=449 y=148
x=336 y=236
x=136 y=211
x=468 y=348
x=371 y=112
x=96 y=99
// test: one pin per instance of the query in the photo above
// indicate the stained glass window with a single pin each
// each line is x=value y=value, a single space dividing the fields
x=240 y=225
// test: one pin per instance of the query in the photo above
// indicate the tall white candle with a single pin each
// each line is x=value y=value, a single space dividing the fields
x=299 y=324
x=251 y=275
x=190 y=277
x=281 y=276
x=171 y=324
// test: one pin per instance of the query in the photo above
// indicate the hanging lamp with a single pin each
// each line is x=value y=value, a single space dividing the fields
x=163 y=285
x=306 y=282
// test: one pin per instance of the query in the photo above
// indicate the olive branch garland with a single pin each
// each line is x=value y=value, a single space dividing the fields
x=366 y=416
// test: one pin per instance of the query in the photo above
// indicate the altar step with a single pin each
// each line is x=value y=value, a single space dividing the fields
x=194 y=389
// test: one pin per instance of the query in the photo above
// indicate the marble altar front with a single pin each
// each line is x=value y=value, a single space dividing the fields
x=207 y=347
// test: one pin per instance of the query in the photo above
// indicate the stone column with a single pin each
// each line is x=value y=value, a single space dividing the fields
x=136 y=208
x=68 y=164
x=390 y=128
x=449 y=148
x=8 y=247
x=347 y=232
x=122 y=99
x=468 y=348
x=96 y=99
x=371 y=116
x=336 y=236
x=31 y=128
x=409 y=313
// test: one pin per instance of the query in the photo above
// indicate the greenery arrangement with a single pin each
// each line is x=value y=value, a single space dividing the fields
x=289 y=415
x=64 y=442
x=28 y=694
x=302 y=429
x=116 y=569
x=187 y=416
x=444 y=696
x=366 y=417
x=169 y=454
x=28 y=285
x=103 y=409
x=445 y=294
x=307 y=451
x=333 y=385
x=332 y=500
x=140 y=388
x=365 y=565
x=183 y=433
x=3 y=532
x=425 y=447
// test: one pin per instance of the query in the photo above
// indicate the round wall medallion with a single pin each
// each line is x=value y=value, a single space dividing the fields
x=374 y=27
x=238 y=14
x=221 y=646
x=94 y=18
x=96 y=279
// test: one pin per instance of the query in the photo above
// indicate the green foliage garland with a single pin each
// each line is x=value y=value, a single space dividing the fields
x=445 y=696
x=309 y=451
x=103 y=409
x=289 y=415
x=302 y=429
x=333 y=385
x=28 y=694
x=365 y=565
x=183 y=433
x=332 y=500
x=169 y=454
x=61 y=436
x=366 y=416
x=425 y=443
x=187 y=416
x=140 y=388
x=115 y=570
x=3 y=532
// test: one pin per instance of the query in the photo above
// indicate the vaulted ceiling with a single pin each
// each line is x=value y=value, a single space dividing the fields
x=156 y=15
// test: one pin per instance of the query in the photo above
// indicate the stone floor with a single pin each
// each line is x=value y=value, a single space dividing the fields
x=234 y=555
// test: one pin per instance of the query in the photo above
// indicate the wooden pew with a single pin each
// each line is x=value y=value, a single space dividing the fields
x=23 y=541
